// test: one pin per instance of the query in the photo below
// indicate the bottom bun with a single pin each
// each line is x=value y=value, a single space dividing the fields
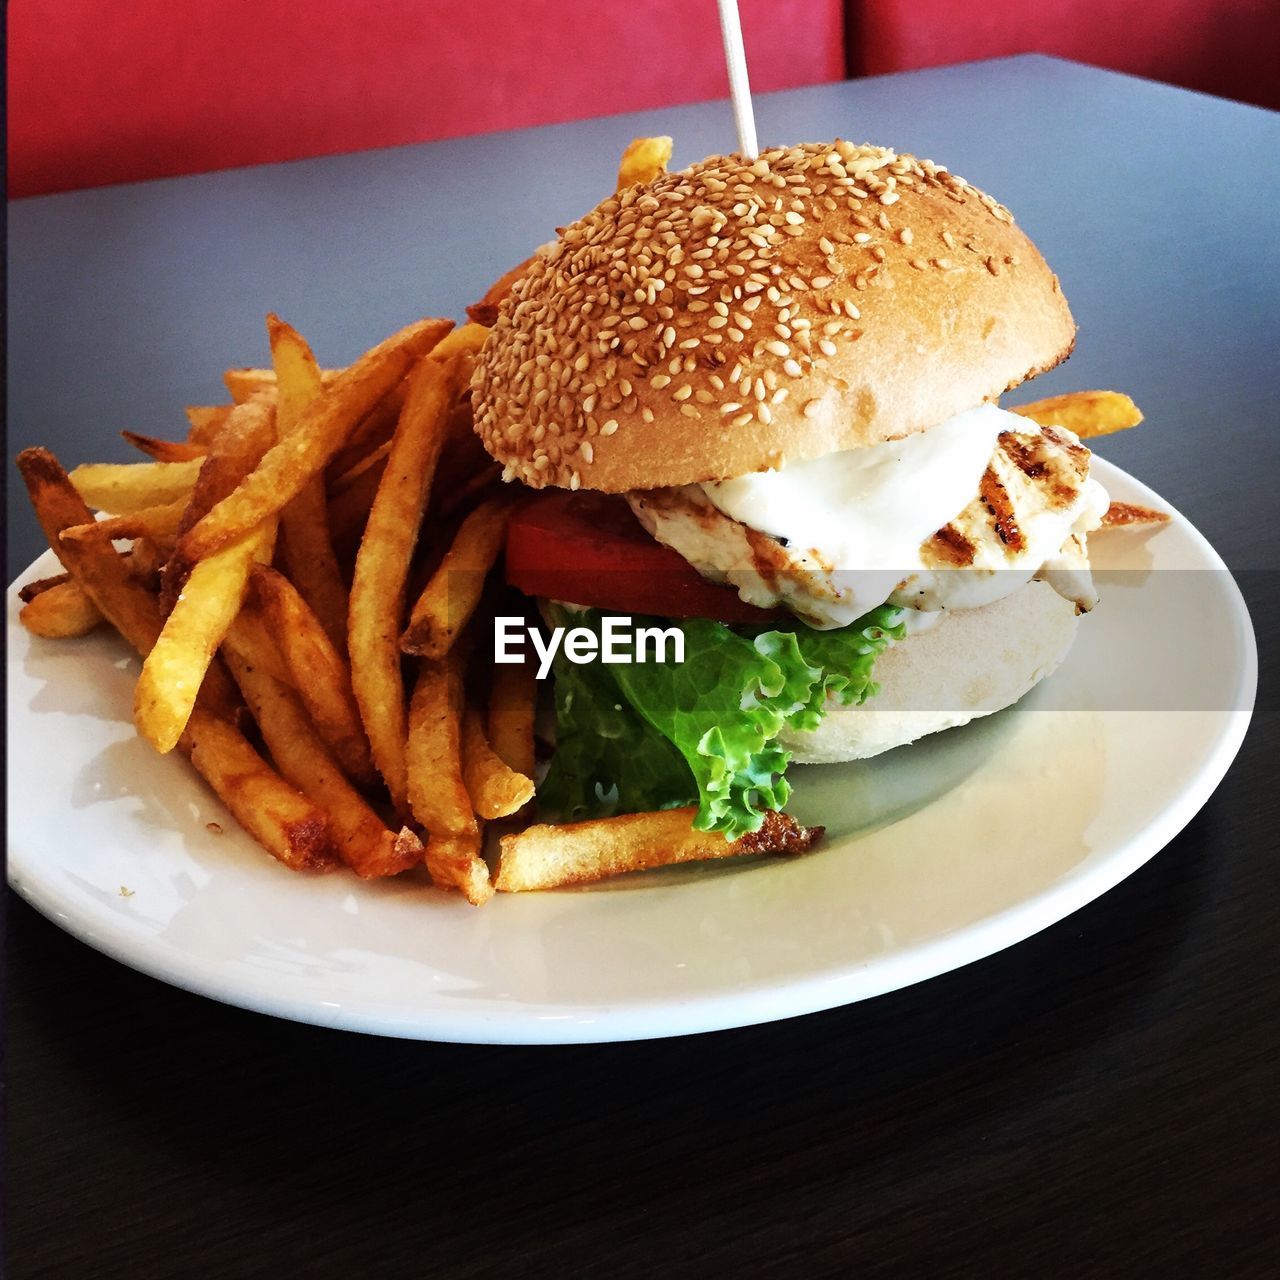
x=971 y=663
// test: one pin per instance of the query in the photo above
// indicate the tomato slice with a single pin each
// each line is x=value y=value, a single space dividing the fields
x=589 y=549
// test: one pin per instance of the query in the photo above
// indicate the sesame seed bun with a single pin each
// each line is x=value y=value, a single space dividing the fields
x=973 y=662
x=739 y=315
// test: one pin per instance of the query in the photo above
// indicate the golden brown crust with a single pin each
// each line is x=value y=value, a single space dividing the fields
x=734 y=316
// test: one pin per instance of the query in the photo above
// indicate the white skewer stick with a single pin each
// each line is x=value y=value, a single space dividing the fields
x=739 y=88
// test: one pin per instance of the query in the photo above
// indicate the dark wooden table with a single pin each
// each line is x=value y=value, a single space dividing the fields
x=1100 y=1100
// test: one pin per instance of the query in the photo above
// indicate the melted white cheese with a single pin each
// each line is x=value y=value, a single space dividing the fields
x=870 y=509
x=852 y=527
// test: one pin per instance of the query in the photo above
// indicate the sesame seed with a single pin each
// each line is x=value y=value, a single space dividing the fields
x=792 y=367
x=609 y=427
x=826 y=346
x=811 y=408
x=742 y=419
x=777 y=348
x=821 y=282
x=682 y=392
x=587 y=451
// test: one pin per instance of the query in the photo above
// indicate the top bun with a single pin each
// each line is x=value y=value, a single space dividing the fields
x=743 y=314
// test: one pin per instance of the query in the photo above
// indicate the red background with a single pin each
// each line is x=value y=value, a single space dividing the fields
x=114 y=90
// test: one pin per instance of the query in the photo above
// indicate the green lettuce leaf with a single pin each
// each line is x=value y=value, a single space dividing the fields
x=655 y=735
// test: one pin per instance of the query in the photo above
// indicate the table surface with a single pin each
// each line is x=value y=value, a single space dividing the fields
x=1100 y=1099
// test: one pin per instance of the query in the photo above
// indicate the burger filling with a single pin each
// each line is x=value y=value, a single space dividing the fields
x=950 y=518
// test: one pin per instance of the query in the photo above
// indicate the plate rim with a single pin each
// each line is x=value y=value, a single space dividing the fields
x=750 y=1004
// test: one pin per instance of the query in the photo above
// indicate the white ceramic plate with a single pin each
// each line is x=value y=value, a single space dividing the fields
x=937 y=854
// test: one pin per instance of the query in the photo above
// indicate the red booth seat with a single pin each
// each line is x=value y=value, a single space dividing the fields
x=102 y=91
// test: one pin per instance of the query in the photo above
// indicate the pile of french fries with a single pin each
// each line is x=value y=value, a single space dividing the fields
x=306 y=577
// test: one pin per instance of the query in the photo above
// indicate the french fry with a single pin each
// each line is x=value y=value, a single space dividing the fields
x=454 y=862
x=374 y=460
x=377 y=600
x=249 y=638
x=363 y=840
x=246 y=436
x=485 y=311
x=437 y=793
x=513 y=699
x=244 y=384
x=466 y=339
x=373 y=432
x=1087 y=413
x=349 y=506
x=307 y=547
x=1130 y=515
x=146 y=559
x=548 y=856
x=450 y=598
x=240 y=444
x=125 y=487
x=289 y=464
x=158 y=523
x=643 y=160
x=174 y=670
x=164 y=450
x=496 y=790
x=285 y=823
x=205 y=421
x=29 y=590
x=212 y=594
x=94 y=566
x=317 y=671
x=60 y=612
x=289 y=827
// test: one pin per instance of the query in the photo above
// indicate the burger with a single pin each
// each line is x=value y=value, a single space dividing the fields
x=757 y=401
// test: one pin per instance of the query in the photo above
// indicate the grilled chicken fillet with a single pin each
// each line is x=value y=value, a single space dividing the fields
x=1029 y=513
